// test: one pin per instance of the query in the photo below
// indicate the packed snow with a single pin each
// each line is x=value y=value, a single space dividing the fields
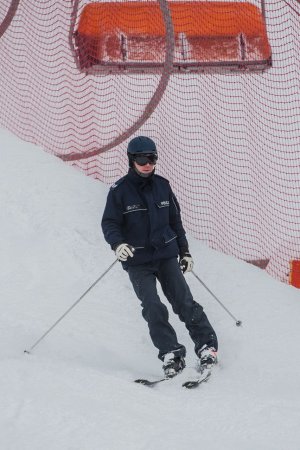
x=75 y=390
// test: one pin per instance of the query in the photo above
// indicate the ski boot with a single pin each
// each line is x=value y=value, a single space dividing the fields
x=173 y=365
x=207 y=357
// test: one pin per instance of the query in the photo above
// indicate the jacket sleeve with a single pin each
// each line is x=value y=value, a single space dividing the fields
x=176 y=224
x=112 y=221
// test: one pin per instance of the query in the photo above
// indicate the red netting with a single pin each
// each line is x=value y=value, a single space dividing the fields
x=228 y=142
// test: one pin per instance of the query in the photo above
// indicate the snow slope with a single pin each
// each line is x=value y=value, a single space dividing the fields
x=75 y=390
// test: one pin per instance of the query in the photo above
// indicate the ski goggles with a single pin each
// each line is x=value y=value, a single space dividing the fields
x=144 y=159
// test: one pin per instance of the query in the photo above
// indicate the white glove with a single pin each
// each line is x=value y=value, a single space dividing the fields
x=122 y=252
x=186 y=263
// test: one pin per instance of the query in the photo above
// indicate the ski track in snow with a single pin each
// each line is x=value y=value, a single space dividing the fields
x=76 y=391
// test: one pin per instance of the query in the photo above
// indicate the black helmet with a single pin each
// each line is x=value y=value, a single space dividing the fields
x=140 y=145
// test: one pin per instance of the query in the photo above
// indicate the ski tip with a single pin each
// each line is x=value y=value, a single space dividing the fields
x=144 y=382
x=27 y=351
x=195 y=383
x=140 y=381
x=190 y=384
x=149 y=383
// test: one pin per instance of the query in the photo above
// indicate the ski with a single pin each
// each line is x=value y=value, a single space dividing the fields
x=191 y=384
x=151 y=383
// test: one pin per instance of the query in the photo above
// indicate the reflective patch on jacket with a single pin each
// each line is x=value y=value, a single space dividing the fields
x=163 y=204
x=133 y=208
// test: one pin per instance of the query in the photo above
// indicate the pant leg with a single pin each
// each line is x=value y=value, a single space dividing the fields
x=143 y=279
x=190 y=312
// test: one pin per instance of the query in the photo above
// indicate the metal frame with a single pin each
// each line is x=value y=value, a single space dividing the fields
x=184 y=68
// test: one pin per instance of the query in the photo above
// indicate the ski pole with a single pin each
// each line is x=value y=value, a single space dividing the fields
x=69 y=309
x=237 y=322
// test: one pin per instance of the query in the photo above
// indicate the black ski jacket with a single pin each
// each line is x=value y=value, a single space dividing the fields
x=144 y=213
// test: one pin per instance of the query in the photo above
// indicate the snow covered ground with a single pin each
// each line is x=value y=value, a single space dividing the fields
x=76 y=391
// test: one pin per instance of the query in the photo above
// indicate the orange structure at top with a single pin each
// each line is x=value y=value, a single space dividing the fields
x=294 y=276
x=131 y=35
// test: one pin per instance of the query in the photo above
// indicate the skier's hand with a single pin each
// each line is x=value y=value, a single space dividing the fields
x=123 y=251
x=186 y=262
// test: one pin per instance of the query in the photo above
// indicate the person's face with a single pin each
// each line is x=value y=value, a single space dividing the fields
x=144 y=164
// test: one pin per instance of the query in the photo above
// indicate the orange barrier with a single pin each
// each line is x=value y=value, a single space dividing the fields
x=294 y=278
x=131 y=35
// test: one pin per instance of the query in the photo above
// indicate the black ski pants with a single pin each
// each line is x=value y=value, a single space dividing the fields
x=167 y=271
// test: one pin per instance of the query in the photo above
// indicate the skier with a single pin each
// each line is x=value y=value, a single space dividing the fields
x=142 y=224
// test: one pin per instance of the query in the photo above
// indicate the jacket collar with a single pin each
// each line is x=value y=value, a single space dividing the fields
x=139 y=181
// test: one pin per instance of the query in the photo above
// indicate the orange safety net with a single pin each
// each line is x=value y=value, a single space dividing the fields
x=128 y=32
x=228 y=143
